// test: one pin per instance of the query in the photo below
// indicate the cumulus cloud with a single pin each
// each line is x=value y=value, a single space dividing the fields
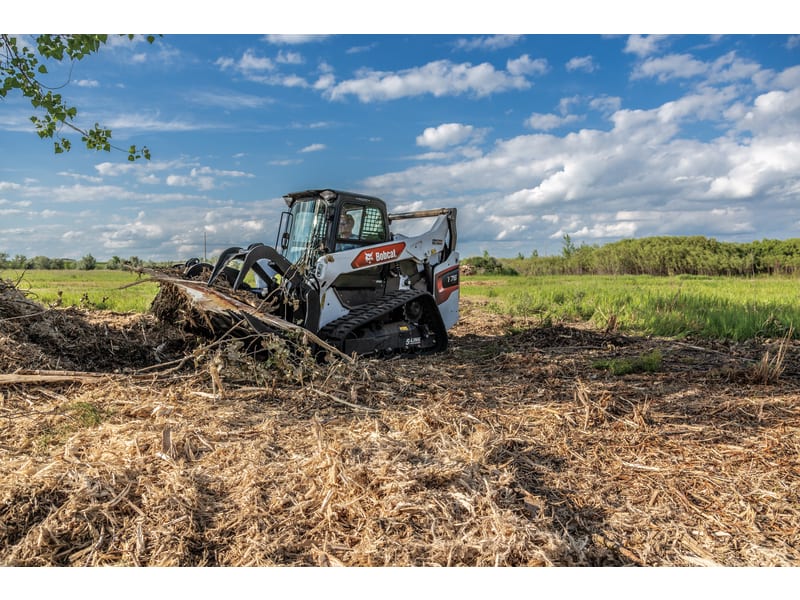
x=672 y=66
x=248 y=63
x=606 y=104
x=289 y=58
x=129 y=234
x=203 y=178
x=647 y=175
x=293 y=39
x=146 y=122
x=438 y=78
x=546 y=122
x=313 y=148
x=581 y=63
x=228 y=100
x=644 y=45
x=489 y=42
x=525 y=65
x=447 y=134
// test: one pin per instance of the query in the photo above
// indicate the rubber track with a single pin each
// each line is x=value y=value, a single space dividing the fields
x=337 y=330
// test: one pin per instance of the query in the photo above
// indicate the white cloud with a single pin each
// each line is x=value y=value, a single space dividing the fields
x=289 y=58
x=251 y=62
x=490 y=42
x=447 y=134
x=219 y=172
x=606 y=104
x=203 y=178
x=324 y=82
x=672 y=66
x=643 y=173
x=775 y=113
x=788 y=79
x=438 y=78
x=525 y=65
x=89 y=83
x=228 y=100
x=644 y=45
x=313 y=148
x=546 y=122
x=128 y=235
x=601 y=230
x=143 y=122
x=360 y=49
x=81 y=177
x=581 y=63
x=293 y=39
x=248 y=64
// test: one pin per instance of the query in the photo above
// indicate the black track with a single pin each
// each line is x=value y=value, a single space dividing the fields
x=339 y=330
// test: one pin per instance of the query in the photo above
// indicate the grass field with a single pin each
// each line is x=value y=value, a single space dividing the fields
x=710 y=307
x=99 y=288
x=683 y=306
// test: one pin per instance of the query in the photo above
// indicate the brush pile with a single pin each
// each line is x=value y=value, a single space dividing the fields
x=126 y=442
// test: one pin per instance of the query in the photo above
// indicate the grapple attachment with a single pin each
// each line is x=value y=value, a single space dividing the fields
x=215 y=313
x=250 y=258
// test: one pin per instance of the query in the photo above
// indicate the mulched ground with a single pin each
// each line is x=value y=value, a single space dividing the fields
x=124 y=441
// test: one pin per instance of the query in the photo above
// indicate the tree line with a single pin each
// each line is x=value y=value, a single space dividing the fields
x=661 y=255
x=86 y=263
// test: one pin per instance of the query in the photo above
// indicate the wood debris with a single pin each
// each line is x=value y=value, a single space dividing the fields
x=509 y=449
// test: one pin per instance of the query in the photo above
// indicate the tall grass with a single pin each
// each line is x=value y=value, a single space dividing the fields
x=98 y=289
x=682 y=306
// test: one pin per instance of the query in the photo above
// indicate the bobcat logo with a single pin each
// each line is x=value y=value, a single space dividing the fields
x=378 y=255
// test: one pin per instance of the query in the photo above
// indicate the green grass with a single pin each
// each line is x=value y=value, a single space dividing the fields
x=646 y=363
x=709 y=307
x=683 y=306
x=98 y=288
x=80 y=415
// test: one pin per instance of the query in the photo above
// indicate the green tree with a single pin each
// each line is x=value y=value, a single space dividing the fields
x=87 y=263
x=22 y=69
x=41 y=262
x=568 y=247
x=20 y=261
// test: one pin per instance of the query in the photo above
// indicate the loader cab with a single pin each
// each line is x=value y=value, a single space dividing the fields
x=311 y=225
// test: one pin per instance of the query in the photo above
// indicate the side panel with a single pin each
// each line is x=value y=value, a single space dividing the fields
x=446 y=290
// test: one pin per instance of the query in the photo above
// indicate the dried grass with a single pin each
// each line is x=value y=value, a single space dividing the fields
x=509 y=449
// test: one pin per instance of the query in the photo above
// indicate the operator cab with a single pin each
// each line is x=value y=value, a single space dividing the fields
x=321 y=222
x=313 y=224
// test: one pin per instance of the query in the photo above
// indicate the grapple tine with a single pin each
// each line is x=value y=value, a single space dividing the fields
x=224 y=258
x=254 y=253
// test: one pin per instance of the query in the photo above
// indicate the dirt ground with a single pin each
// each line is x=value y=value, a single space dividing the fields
x=124 y=441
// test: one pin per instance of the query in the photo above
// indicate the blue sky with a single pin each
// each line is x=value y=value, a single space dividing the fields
x=530 y=136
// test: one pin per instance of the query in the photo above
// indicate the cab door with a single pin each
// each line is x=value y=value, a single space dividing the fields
x=369 y=227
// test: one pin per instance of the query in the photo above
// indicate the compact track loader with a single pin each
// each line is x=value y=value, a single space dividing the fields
x=339 y=276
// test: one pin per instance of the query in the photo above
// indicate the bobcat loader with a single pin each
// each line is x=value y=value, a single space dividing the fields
x=366 y=291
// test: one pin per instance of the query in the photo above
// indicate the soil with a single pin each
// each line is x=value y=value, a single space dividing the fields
x=126 y=441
